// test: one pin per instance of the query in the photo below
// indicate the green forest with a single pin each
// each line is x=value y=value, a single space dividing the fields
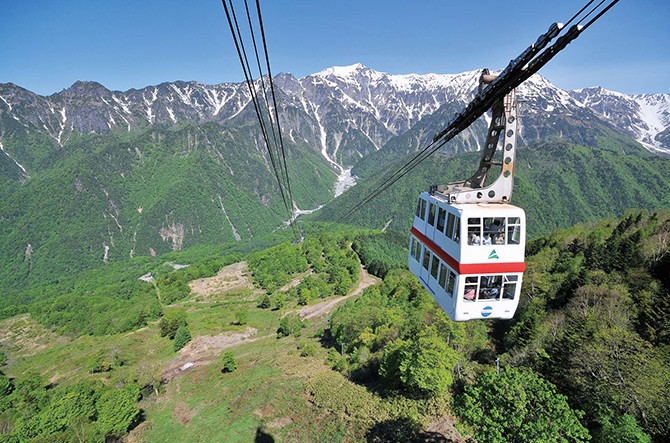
x=584 y=359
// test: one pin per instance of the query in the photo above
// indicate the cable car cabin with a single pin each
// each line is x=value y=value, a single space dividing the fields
x=469 y=256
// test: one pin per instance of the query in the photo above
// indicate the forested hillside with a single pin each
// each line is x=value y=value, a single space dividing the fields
x=594 y=321
x=93 y=176
x=106 y=198
x=587 y=352
x=557 y=184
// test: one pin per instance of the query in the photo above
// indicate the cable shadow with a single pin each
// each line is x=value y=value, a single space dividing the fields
x=263 y=437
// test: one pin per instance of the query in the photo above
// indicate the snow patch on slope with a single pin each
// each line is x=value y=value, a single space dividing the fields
x=25 y=173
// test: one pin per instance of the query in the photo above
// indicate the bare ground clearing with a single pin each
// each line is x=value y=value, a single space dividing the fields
x=444 y=426
x=229 y=278
x=202 y=350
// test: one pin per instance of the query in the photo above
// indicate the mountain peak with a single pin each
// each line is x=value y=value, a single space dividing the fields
x=345 y=71
x=84 y=88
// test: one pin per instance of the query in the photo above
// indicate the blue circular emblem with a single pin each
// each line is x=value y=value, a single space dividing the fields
x=486 y=311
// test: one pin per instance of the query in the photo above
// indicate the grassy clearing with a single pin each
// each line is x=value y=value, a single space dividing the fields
x=207 y=405
x=135 y=356
x=275 y=392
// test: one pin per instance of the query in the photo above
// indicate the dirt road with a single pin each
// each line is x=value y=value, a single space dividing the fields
x=319 y=309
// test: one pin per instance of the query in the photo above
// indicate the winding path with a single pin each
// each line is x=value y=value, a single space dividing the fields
x=205 y=349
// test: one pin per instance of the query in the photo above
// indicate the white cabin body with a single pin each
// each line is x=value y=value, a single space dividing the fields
x=469 y=256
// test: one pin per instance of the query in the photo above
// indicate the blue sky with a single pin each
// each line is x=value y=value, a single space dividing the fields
x=45 y=46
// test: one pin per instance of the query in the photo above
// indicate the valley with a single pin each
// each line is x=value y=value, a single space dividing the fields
x=155 y=288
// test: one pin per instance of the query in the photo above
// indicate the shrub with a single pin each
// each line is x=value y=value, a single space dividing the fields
x=181 y=338
x=228 y=363
x=241 y=317
x=98 y=363
x=5 y=386
x=280 y=301
x=291 y=324
x=336 y=361
x=265 y=302
x=171 y=321
x=308 y=350
x=117 y=410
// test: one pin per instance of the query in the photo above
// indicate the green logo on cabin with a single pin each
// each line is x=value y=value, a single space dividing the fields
x=493 y=255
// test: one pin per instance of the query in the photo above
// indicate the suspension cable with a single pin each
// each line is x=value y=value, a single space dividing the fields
x=274 y=98
x=280 y=173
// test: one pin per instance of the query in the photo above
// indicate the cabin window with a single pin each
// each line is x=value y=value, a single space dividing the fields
x=431 y=214
x=443 y=276
x=494 y=231
x=490 y=287
x=421 y=209
x=417 y=250
x=426 y=258
x=450 y=226
x=414 y=248
x=441 y=214
x=509 y=286
x=474 y=231
x=435 y=266
x=513 y=230
x=471 y=288
x=457 y=231
x=451 y=283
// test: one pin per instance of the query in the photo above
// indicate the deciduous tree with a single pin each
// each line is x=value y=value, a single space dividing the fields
x=518 y=406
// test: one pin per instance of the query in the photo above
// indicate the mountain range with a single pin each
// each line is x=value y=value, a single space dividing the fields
x=91 y=175
x=344 y=112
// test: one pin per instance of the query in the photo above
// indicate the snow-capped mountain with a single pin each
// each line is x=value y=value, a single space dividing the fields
x=645 y=117
x=345 y=113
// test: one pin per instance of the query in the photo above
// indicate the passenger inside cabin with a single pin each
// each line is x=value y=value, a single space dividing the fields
x=494 y=231
x=490 y=288
x=489 y=293
x=473 y=238
x=469 y=294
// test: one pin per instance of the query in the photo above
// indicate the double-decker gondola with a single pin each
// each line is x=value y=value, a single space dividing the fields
x=470 y=257
x=467 y=241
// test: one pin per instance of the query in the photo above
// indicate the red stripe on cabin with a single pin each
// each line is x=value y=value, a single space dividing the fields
x=468 y=268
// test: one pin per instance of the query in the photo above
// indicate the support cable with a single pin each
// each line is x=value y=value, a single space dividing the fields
x=274 y=99
x=239 y=45
x=262 y=81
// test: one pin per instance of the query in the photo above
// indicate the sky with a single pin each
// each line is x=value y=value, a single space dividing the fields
x=46 y=45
